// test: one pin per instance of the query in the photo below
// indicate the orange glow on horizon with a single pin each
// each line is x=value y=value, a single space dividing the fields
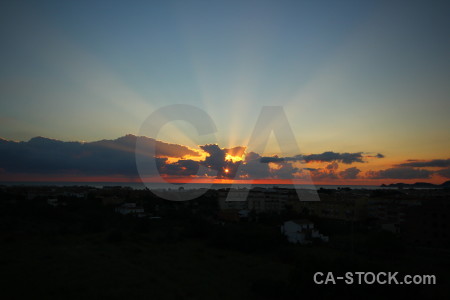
x=201 y=180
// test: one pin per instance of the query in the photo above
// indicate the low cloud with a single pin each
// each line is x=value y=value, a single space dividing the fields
x=117 y=157
x=180 y=168
x=378 y=155
x=106 y=157
x=444 y=173
x=328 y=156
x=350 y=173
x=217 y=160
x=275 y=159
x=399 y=173
x=440 y=163
x=333 y=166
x=253 y=168
x=324 y=174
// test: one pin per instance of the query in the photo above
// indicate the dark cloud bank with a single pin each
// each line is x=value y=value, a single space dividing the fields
x=117 y=157
x=106 y=157
x=428 y=163
x=329 y=156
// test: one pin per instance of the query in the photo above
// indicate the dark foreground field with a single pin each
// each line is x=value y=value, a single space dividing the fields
x=186 y=259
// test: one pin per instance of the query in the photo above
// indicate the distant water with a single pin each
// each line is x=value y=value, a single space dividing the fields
x=140 y=186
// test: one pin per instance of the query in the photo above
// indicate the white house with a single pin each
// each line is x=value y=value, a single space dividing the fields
x=130 y=208
x=52 y=202
x=301 y=232
x=55 y=202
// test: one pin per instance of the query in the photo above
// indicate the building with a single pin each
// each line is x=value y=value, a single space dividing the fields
x=338 y=206
x=267 y=200
x=131 y=209
x=389 y=214
x=257 y=200
x=52 y=202
x=301 y=232
x=55 y=202
x=111 y=200
x=233 y=199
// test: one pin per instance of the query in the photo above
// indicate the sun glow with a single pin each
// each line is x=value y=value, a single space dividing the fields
x=234 y=158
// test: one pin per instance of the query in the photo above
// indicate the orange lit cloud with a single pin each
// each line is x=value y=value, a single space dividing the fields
x=42 y=159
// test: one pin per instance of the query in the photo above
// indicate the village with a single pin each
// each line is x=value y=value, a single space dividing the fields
x=266 y=245
x=417 y=217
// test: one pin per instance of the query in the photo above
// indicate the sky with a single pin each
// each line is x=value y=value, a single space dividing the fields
x=367 y=77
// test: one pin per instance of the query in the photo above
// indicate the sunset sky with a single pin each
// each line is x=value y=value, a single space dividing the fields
x=364 y=85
